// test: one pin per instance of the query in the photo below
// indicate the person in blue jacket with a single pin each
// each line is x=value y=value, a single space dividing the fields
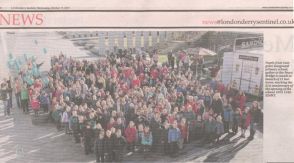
x=174 y=136
x=228 y=117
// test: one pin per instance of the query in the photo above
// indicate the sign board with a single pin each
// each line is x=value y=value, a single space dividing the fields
x=249 y=58
x=248 y=43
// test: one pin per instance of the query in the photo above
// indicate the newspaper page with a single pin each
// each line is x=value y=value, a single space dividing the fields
x=146 y=81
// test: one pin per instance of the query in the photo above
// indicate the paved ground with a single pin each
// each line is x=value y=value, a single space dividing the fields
x=20 y=141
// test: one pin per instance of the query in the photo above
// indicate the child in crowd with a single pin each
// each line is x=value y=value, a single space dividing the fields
x=140 y=133
x=199 y=127
x=228 y=117
x=65 y=119
x=35 y=104
x=184 y=132
x=219 y=128
x=45 y=101
x=245 y=120
x=174 y=135
x=75 y=126
x=164 y=138
x=236 y=120
x=209 y=126
x=147 y=139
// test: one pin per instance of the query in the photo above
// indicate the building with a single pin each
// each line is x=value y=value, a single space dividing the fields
x=243 y=67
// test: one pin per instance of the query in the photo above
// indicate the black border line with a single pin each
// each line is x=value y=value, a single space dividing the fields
x=150 y=27
x=135 y=10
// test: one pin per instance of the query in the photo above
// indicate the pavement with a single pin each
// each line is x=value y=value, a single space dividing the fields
x=21 y=141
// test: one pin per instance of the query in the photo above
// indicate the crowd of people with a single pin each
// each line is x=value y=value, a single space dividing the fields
x=134 y=103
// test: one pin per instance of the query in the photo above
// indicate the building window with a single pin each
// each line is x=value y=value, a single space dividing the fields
x=256 y=70
x=237 y=67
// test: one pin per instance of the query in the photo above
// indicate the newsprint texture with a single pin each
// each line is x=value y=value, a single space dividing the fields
x=146 y=81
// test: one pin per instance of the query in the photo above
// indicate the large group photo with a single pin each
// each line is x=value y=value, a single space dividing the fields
x=134 y=96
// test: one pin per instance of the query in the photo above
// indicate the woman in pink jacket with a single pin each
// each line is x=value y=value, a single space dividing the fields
x=35 y=104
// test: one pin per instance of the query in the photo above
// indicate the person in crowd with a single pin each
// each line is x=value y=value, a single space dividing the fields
x=228 y=117
x=174 y=136
x=35 y=104
x=256 y=116
x=140 y=133
x=119 y=146
x=245 y=120
x=217 y=105
x=99 y=147
x=241 y=100
x=57 y=115
x=207 y=99
x=147 y=139
x=108 y=146
x=219 y=128
x=24 y=96
x=156 y=129
x=210 y=127
x=65 y=119
x=88 y=136
x=131 y=135
x=164 y=138
x=45 y=101
x=9 y=91
x=199 y=128
x=74 y=120
x=4 y=95
x=183 y=126
x=17 y=90
x=236 y=120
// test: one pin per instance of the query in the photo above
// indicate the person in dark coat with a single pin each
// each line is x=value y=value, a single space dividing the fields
x=74 y=120
x=99 y=147
x=236 y=120
x=217 y=105
x=164 y=138
x=108 y=146
x=256 y=115
x=88 y=135
x=155 y=129
x=4 y=97
x=119 y=125
x=119 y=146
x=113 y=137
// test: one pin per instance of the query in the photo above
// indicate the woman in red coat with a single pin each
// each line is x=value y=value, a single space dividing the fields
x=241 y=100
x=131 y=135
x=136 y=82
x=184 y=129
